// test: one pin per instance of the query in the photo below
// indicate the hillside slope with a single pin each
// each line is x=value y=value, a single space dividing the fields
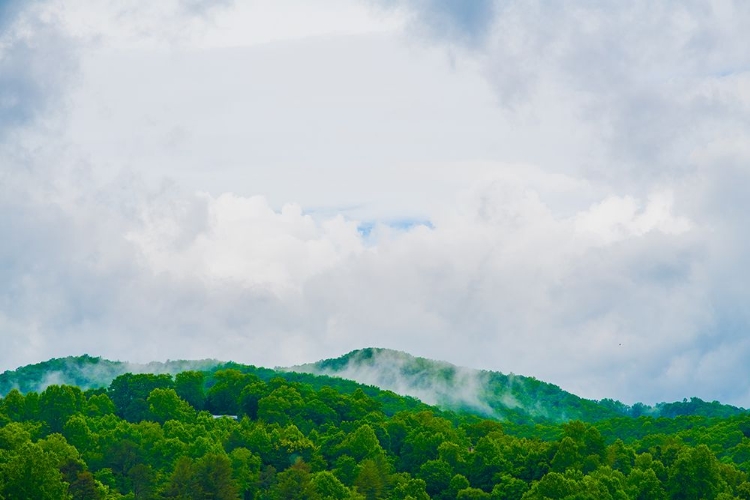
x=511 y=397
x=88 y=372
x=514 y=398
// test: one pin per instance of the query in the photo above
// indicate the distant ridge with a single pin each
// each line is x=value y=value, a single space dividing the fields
x=88 y=372
x=513 y=397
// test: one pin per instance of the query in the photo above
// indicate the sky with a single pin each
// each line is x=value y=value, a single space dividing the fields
x=552 y=189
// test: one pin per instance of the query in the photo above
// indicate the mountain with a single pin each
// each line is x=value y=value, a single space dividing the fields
x=239 y=431
x=510 y=397
x=88 y=372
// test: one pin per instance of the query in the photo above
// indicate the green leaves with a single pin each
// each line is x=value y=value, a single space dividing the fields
x=297 y=440
x=165 y=404
x=208 y=477
x=695 y=474
x=58 y=403
x=30 y=472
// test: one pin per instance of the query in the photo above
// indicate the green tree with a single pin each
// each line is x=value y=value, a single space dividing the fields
x=695 y=474
x=85 y=487
x=99 y=405
x=250 y=396
x=371 y=480
x=13 y=435
x=644 y=485
x=14 y=405
x=458 y=483
x=295 y=484
x=345 y=468
x=30 y=473
x=509 y=488
x=78 y=433
x=410 y=489
x=328 y=487
x=181 y=483
x=620 y=457
x=552 y=485
x=58 y=403
x=189 y=386
x=142 y=481
x=281 y=406
x=213 y=474
x=130 y=391
x=165 y=404
x=31 y=406
x=567 y=456
x=246 y=471
x=208 y=478
x=437 y=475
x=223 y=397
x=473 y=494
x=361 y=444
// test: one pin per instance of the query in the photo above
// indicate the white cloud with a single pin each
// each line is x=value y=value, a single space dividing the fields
x=562 y=195
x=617 y=218
x=243 y=240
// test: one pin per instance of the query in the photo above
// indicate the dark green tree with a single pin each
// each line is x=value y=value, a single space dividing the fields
x=129 y=393
x=371 y=479
x=58 y=403
x=190 y=387
x=437 y=476
x=14 y=405
x=213 y=474
x=295 y=484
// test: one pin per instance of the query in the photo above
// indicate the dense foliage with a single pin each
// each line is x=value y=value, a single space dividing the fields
x=240 y=433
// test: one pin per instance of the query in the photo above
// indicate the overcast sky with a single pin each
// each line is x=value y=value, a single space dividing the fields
x=554 y=189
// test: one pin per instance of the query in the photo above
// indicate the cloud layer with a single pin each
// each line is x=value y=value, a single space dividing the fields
x=552 y=190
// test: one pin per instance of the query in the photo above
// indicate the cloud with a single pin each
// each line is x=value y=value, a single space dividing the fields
x=617 y=218
x=648 y=81
x=200 y=7
x=580 y=212
x=445 y=385
x=180 y=275
x=243 y=240
x=36 y=61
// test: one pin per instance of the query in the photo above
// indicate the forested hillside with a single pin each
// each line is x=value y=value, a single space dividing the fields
x=87 y=372
x=239 y=432
x=514 y=398
x=510 y=398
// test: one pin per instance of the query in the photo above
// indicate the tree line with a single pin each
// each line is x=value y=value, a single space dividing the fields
x=232 y=434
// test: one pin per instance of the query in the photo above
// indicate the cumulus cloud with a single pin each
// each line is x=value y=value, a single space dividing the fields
x=518 y=287
x=244 y=240
x=586 y=228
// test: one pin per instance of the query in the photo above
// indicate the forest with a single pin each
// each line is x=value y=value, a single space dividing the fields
x=239 y=432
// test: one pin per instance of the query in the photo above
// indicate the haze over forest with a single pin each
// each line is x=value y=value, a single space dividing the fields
x=557 y=190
